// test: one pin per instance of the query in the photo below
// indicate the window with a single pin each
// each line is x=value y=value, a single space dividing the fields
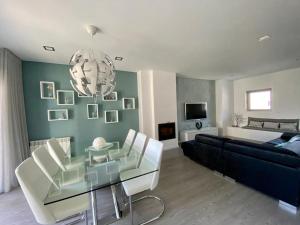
x=259 y=100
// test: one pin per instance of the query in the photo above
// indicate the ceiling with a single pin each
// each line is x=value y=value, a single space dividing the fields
x=209 y=39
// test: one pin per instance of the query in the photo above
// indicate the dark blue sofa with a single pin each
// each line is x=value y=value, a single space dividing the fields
x=273 y=171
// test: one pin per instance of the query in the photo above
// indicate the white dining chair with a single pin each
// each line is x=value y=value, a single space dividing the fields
x=46 y=163
x=60 y=157
x=35 y=186
x=132 y=160
x=124 y=151
x=152 y=155
x=50 y=168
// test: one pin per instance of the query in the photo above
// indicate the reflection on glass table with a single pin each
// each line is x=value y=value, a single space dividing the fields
x=92 y=177
x=107 y=153
x=99 y=154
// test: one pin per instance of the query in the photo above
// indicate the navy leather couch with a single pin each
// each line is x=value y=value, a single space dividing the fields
x=264 y=167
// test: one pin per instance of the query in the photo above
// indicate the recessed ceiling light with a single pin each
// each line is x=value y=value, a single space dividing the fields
x=49 y=48
x=119 y=58
x=264 y=38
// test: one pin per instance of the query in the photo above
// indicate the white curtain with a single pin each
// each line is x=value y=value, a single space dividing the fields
x=13 y=131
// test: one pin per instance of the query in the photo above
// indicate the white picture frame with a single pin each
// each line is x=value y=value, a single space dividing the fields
x=84 y=96
x=111 y=116
x=51 y=89
x=60 y=94
x=112 y=97
x=128 y=103
x=63 y=114
x=92 y=111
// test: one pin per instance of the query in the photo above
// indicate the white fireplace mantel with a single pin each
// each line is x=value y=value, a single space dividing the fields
x=157 y=103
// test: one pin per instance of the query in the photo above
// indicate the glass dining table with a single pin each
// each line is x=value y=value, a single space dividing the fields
x=91 y=175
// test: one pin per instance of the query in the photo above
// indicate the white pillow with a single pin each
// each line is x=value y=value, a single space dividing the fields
x=271 y=125
x=255 y=124
x=288 y=126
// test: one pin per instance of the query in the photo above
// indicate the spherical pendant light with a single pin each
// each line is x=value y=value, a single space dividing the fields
x=93 y=73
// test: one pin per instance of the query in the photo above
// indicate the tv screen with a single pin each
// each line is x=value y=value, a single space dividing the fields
x=195 y=111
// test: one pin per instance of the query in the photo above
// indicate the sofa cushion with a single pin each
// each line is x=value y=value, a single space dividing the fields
x=285 y=137
x=264 y=147
x=211 y=139
x=256 y=124
x=264 y=152
x=276 y=141
x=289 y=126
x=189 y=148
x=263 y=129
x=293 y=145
x=271 y=125
x=274 y=124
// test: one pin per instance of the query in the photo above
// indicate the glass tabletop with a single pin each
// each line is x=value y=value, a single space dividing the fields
x=107 y=146
x=91 y=175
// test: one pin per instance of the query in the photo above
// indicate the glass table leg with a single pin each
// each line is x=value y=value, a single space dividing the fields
x=113 y=191
x=106 y=219
x=94 y=207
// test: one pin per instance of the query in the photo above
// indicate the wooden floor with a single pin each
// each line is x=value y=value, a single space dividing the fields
x=193 y=195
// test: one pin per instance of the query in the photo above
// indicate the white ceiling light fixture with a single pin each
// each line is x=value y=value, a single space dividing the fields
x=264 y=38
x=93 y=73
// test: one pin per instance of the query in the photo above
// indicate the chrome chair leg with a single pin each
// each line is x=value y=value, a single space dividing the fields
x=131 y=212
x=86 y=218
x=147 y=197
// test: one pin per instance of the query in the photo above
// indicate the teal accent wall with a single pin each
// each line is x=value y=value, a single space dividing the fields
x=82 y=130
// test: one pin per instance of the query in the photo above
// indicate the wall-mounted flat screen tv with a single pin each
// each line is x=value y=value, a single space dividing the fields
x=194 y=111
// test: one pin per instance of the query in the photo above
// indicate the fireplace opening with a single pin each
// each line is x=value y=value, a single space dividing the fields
x=166 y=131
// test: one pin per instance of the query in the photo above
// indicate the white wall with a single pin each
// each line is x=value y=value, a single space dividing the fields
x=145 y=98
x=157 y=103
x=224 y=104
x=285 y=94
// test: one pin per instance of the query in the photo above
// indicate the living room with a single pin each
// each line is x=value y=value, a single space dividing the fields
x=144 y=112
